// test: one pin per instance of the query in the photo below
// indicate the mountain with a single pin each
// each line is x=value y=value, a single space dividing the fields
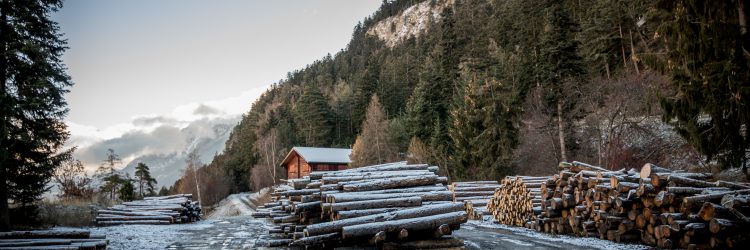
x=482 y=88
x=207 y=138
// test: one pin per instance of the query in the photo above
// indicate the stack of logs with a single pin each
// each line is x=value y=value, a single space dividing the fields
x=518 y=200
x=158 y=210
x=43 y=239
x=475 y=195
x=394 y=205
x=653 y=206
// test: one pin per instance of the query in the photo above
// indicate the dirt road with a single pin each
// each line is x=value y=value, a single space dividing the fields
x=248 y=233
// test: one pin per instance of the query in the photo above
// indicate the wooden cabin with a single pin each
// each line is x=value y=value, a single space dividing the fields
x=300 y=161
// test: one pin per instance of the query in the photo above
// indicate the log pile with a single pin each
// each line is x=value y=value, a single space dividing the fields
x=158 y=210
x=57 y=240
x=475 y=195
x=653 y=206
x=374 y=205
x=518 y=200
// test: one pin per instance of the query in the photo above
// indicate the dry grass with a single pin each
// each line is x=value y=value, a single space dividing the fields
x=72 y=213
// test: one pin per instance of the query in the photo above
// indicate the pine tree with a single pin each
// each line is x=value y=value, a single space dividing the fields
x=32 y=103
x=164 y=191
x=708 y=65
x=312 y=116
x=375 y=144
x=108 y=175
x=126 y=191
x=560 y=68
x=143 y=176
x=466 y=126
x=421 y=109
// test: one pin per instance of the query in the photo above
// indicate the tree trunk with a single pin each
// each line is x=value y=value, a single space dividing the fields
x=632 y=53
x=742 y=19
x=4 y=216
x=399 y=182
x=73 y=234
x=335 y=226
x=413 y=224
x=357 y=205
x=561 y=131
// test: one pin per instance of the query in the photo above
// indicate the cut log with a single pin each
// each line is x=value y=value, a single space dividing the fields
x=442 y=243
x=341 y=215
x=316 y=240
x=132 y=222
x=115 y=218
x=426 y=196
x=370 y=204
x=413 y=224
x=423 y=211
x=649 y=168
x=279 y=242
x=721 y=225
x=399 y=182
x=73 y=234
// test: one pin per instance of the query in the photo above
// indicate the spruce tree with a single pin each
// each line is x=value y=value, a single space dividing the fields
x=127 y=191
x=466 y=126
x=560 y=69
x=707 y=62
x=32 y=104
x=421 y=109
x=312 y=116
x=108 y=175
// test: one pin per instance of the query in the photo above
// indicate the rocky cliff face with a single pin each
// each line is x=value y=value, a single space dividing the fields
x=410 y=22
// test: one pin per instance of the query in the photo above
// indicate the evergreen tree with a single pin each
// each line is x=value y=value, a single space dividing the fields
x=707 y=63
x=241 y=152
x=164 y=191
x=421 y=109
x=560 y=69
x=375 y=144
x=126 y=191
x=143 y=176
x=466 y=127
x=312 y=116
x=32 y=104
x=108 y=175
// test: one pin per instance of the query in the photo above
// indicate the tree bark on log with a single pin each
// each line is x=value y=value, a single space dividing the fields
x=413 y=224
x=399 y=182
x=370 y=204
x=316 y=240
x=423 y=211
x=73 y=234
x=649 y=168
x=426 y=196
x=442 y=243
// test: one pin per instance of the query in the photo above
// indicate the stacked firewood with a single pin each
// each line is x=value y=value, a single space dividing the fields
x=373 y=205
x=518 y=200
x=45 y=239
x=475 y=195
x=654 y=206
x=157 y=210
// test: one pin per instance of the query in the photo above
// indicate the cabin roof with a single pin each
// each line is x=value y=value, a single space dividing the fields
x=320 y=155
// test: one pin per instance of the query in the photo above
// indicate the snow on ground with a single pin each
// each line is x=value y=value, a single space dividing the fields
x=143 y=237
x=242 y=204
x=564 y=239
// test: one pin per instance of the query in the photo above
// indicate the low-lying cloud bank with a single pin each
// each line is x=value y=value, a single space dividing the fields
x=162 y=141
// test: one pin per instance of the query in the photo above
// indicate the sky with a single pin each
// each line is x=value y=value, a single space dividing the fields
x=171 y=62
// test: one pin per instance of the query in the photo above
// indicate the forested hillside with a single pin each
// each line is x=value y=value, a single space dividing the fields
x=491 y=88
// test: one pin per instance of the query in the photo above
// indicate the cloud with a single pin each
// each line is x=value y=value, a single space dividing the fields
x=206 y=110
x=153 y=120
x=159 y=133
